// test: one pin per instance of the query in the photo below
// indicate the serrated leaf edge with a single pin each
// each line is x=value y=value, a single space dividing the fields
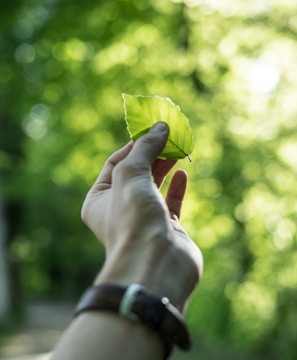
x=162 y=98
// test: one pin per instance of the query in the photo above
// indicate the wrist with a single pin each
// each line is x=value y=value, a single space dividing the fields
x=166 y=272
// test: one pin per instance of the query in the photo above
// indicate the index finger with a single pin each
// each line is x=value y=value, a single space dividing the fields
x=160 y=169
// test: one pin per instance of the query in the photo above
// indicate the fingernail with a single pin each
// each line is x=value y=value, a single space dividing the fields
x=160 y=126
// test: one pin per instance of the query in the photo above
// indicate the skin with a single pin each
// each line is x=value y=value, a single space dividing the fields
x=144 y=244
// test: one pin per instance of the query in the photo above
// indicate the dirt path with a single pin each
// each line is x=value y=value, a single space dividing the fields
x=36 y=338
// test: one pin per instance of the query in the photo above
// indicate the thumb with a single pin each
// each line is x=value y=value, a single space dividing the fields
x=147 y=148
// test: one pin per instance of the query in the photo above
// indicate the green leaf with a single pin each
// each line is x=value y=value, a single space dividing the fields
x=142 y=112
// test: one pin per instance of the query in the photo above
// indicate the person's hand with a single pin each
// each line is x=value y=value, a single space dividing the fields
x=140 y=230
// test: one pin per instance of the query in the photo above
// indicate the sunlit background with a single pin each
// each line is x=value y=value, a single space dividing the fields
x=231 y=65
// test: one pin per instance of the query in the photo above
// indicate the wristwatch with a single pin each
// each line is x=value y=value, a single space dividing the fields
x=139 y=304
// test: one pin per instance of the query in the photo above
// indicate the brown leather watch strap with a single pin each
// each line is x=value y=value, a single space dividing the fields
x=137 y=303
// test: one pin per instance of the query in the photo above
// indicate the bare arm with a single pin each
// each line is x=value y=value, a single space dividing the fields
x=94 y=336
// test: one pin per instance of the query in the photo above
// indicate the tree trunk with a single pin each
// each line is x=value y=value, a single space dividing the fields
x=4 y=275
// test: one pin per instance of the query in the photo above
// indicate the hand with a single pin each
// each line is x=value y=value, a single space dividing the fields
x=140 y=230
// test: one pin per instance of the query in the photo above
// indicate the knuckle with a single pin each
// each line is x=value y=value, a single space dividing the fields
x=148 y=139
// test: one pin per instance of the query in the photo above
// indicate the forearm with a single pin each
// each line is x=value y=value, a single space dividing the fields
x=103 y=335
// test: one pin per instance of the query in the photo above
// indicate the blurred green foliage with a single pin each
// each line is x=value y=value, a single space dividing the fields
x=231 y=66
